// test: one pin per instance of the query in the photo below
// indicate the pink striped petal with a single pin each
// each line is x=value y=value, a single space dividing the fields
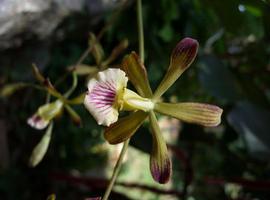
x=101 y=98
x=37 y=122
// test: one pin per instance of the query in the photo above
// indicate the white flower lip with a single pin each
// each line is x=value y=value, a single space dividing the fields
x=102 y=94
x=37 y=122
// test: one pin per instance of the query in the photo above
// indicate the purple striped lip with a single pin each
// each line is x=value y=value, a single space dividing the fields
x=103 y=96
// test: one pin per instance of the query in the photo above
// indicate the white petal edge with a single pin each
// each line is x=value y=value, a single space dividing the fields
x=37 y=122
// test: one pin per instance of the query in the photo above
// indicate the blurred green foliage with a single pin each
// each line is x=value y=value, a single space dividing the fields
x=232 y=71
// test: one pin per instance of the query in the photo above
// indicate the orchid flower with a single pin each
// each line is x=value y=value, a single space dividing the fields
x=45 y=114
x=108 y=95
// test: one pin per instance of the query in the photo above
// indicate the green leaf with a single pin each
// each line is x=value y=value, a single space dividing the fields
x=218 y=80
x=166 y=32
x=252 y=123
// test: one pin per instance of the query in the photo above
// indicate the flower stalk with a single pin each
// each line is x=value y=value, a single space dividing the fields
x=126 y=143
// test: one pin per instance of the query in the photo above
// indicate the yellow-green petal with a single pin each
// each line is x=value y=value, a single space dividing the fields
x=9 y=89
x=197 y=113
x=97 y=50
x=181 y=58
x=116 y=52
x=137 y=74
x=50 y=110
x=125 y=127
x=83 y=69
x=160 y=162
x=37 y=74
x=76 y=100
x=41 y=148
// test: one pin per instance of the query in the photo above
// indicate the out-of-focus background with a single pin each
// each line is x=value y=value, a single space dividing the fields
x=232 y=70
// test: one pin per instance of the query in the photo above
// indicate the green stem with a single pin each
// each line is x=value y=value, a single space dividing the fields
x=73 y=86
x=126 y=143
x=116 y=170
x=140 y=29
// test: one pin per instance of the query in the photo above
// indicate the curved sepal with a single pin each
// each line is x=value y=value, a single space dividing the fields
x=41 y=148
x=197 y=113
x=125 y=127
x=181 y=58
x=137 y=74
x=160 y=162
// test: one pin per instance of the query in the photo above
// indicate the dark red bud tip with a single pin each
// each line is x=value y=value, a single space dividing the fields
x=186 y=51
x=93 y=198
x=161 y=172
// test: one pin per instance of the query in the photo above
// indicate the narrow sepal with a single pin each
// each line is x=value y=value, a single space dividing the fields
x=75 y=117
x=160 y=162
x=83 y=69
x=41 y=148
x=76 y=100
x=10 y=89
x=37 y=74
x=197 y=113
x=181 y=58
x=97 y=50
x=46 y=83
x=116 y=52
x=137 y=74
x=125 y=127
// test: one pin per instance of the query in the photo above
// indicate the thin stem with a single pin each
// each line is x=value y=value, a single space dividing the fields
x=116 y=170
x=73 y=86
x=140 y=29
x=126 y=143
